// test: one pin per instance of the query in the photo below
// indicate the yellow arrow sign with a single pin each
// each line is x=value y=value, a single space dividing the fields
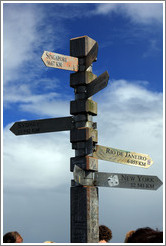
x=55 y=60
x=122 y=156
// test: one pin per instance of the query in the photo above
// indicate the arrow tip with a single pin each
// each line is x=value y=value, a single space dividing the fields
x=13 y=129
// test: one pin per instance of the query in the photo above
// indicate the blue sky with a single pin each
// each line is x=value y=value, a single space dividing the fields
x=36 y=168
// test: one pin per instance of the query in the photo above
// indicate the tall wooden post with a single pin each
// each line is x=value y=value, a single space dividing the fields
x=83 y=136
x=84 y=199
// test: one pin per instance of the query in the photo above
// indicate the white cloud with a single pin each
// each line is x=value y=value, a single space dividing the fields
x=132 y=116
x=25 y=37
x=19 y=37
x=47 y=106
x=129 y=118
x=144 y=13
x=39 y=161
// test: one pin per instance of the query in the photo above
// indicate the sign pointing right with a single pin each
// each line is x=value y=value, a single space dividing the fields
x=122 y=156
x=97 y=84
x=120 y=180
x=117 y=180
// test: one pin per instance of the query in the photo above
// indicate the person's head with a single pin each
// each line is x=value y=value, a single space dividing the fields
x=146 y=235
x=105 y=234
x=128 y=234
x=12 y=237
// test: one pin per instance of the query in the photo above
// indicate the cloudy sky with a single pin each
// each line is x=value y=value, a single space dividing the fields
x=36 y=168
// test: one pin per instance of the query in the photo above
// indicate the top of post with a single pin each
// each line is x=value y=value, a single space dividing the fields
x=80 y=46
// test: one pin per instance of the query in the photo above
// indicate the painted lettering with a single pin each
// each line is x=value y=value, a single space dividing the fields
x=28 y=124
x=137 y=157
x=59 y=64
x=113 y=152
x=145 y=179
x=140 y=185
x=124 y=178
x=150 y=186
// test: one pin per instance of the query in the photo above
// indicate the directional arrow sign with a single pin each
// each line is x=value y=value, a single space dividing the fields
x=122 y=156
x=116 y=180
x=55 y=60
x=97 y=84
x=42 y=126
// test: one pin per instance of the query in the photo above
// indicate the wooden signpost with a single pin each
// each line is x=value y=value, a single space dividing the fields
x=84 y=200
x=84 y=137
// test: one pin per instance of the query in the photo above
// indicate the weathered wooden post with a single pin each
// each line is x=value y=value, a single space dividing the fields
x=83 y=136
x=84 y=199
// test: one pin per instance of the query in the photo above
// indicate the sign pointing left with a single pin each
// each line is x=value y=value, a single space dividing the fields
x=55 y=60
x=42 y=126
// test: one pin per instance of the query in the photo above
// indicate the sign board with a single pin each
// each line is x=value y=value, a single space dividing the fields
x=122 y=156
x=117 y=180
x=55 y=60
x=42 y=126
x=97 y=84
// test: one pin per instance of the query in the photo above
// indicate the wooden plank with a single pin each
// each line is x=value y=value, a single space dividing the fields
x=91 y=56
x=84 y=215
x=90 y=124
x=85 y=162
x=84 y=150
x=81 y=78
x=83 y=134
x=122 y=156
x=81 y=46
x=42 y=126
x=56 y=60
x=84 y=48
x=97 y=84
x=83 y=106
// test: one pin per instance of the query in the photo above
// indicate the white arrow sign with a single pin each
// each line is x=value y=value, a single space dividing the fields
x=55 y=60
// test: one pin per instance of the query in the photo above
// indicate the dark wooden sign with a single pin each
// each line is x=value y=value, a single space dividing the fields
x=42 y=126
x=97 y=84
x=131 y=181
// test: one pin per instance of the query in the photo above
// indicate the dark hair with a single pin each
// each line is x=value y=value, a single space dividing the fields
x=146 y=235
x=11 y=237
x=104 y=233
